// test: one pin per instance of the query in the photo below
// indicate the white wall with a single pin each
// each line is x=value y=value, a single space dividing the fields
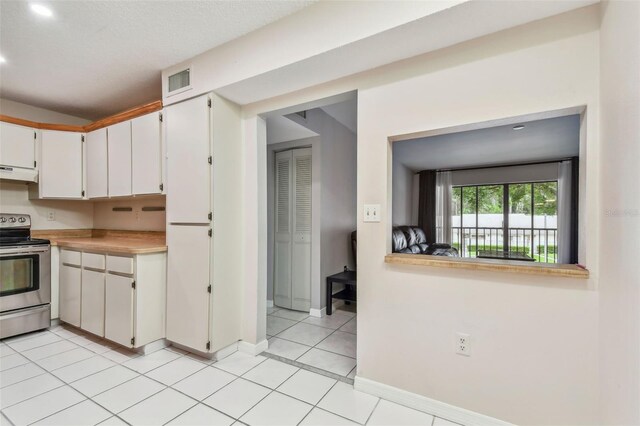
x=528 y=173
x=620 y=213
x=403 y=194
x=523 y=367
x=40 y=115
x=318 y=28
x=136 y=220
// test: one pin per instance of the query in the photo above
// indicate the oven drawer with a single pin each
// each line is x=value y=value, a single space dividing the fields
x=93 y=260
x=70 y=257
x=121 y=264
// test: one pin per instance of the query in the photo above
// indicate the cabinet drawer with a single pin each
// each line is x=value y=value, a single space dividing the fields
x=93 y=260
x=121 y=264
x=70 y=257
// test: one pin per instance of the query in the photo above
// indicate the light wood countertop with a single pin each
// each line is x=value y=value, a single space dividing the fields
x=544 y=269
x=107 y=241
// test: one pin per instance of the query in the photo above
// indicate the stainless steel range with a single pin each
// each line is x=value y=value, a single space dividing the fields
x=25 y=277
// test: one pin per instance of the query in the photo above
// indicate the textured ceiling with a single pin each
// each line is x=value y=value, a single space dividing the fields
x=95 y=58
x=550 y=138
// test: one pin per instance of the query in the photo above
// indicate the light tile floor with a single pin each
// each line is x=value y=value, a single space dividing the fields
x=327 y=343
x=49 y=378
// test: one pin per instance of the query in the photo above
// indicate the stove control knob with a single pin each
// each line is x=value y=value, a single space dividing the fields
x=3 y=219
x=22 y=220
x=12 y=219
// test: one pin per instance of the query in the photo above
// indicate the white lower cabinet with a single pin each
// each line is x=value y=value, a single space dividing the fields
x=123 y=301
x=188 y=290
x=92 y=317
x=69 y=302
x=119 y=309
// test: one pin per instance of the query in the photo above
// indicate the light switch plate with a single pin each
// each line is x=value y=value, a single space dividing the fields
x=372 y=212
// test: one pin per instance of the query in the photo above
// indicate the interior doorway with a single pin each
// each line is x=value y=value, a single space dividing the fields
x=311 y=197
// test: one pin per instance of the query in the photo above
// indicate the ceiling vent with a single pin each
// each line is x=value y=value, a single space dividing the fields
x=179 y=82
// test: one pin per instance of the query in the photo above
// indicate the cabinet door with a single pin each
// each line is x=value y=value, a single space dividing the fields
x=61 y=168
x=146 y=154
x=96 y=144
x=93 y=302
x=189 y=171
x=118 y=325
x=282 y=248
x=17 y=146
x=301 y=236
x=187 y=282
x=119 y=147
x=70 y=279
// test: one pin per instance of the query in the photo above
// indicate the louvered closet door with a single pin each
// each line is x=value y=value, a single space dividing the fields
x=301 y=250
x=283 y=226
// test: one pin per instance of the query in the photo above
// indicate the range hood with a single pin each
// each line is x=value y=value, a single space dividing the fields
x=18 y=173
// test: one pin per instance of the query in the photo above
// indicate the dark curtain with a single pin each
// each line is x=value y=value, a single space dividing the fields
x=427 y=205
x=575 y=184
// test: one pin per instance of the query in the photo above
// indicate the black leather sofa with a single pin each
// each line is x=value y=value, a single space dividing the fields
x=412 y=240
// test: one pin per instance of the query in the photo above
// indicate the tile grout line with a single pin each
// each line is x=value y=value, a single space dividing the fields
x=373 y=411
x=197 y=402
x=315 y=346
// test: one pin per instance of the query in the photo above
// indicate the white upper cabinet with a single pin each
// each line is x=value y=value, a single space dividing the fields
x=146 y=153
x=96 y=145
x=61 y=165
x=189 y=161
x=119 y=154
x=17 y=146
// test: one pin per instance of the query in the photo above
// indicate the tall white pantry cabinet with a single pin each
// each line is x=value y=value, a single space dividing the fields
x=204 y=286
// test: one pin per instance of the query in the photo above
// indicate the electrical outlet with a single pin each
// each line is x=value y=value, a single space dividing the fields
x=51 y=215
x=463 y=344
x=372 y=212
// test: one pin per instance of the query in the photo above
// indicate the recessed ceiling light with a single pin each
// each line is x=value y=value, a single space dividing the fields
x=41 y=10
x=2 y=59
x=518 y=127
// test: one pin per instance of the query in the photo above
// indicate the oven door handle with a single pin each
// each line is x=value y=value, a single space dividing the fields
x=23 y=250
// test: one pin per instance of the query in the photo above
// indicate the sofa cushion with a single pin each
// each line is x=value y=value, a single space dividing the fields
x=399 y=240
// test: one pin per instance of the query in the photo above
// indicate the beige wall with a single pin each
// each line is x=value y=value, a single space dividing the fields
x=41 y=115
x=136 y=220
x=620 y=213
x=535 y=340
x=14 y=198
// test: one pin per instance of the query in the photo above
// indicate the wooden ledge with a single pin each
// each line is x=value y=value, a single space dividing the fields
x=544 y=269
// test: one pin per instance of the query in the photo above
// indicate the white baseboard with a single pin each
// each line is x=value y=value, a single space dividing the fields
x=153 y=346
x=427 y=405
x=269 y=303
x=253 y=349
x=318 y=313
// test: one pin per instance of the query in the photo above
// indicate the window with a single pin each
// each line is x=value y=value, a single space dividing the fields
x=511 y=217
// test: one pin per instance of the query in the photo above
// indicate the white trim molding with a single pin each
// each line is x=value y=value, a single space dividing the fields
x=269 y=303
x=253 y=349
x=317 y=313
x=427 y=405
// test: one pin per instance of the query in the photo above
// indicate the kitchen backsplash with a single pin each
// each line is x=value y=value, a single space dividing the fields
x=137 y=214
x=45 y=214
